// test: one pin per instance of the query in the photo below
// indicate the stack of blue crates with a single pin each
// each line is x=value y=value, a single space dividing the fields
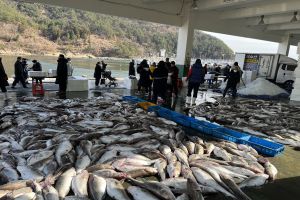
x=133 y=99
x=263 y=146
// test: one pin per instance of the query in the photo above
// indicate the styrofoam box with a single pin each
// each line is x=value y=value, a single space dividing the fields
x=77 y=84
x=52 y=73
x=37 y=74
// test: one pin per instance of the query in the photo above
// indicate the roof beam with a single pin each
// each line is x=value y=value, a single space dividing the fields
x=266 y=9
x=272 y=19
x=291 y=26
x=217 y=4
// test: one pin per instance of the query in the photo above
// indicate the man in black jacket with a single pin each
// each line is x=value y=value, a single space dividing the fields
x=233 y=77
x=131 y=68
x=62 y=74
x=19 y=74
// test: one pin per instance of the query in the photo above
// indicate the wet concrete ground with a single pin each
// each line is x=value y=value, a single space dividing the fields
x=287 y=185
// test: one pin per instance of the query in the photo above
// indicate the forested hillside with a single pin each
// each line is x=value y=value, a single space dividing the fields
x=43 y=29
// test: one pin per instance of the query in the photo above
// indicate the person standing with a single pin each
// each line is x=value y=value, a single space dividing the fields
x=174 y=79
x=104 y=65
x=233 y=77
x=160 y=75
x=37 y=67
x=144 y=72
x=19 y=74
x=151 y=68
x=195 y=77
x=70 y=67
x=25 y=70
x=62 y=74
x=97 y=74
x=131 y=69
x=3 y=80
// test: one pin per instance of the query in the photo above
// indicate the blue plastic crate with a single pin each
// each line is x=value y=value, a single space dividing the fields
x=263 y=146
x=166 y=113
x=230 y=135
x=182 y=120
x=133 y=99
x=203 y=126
x=154 y=108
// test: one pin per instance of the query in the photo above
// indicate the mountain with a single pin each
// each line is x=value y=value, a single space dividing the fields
x=44 y=29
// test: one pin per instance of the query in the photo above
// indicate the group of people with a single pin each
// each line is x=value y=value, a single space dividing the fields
x=162 y=79
x=64 y=69
x=99 y=71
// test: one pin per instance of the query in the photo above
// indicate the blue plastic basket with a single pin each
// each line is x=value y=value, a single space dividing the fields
x=263 y=146
x=133 y=99
x=230 y=135
x=182 y=119
x=203 y=126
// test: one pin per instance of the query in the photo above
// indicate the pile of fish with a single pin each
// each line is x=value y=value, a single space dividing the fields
x=277 y=121
x=104 y=148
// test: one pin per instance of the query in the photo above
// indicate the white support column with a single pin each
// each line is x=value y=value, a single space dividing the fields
x=284 y=46
x=185 y=43
x=295 y=96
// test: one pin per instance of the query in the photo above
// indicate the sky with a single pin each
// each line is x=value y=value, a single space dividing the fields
x=247 y=45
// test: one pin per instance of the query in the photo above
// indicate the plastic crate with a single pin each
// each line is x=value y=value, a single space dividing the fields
x=145 y=105
x=166 y=113
x=182 y=120
x=133 y=99
x=154 y=108
x=263 y=146
x=230 y=135
x=203 y=126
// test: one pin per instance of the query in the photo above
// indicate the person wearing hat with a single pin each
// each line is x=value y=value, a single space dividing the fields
x=233 y=78
x=3 y=80
x=19 y=73
x=37 y=67
x=62 y=74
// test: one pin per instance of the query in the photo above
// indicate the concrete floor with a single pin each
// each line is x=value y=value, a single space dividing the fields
x=288 y=164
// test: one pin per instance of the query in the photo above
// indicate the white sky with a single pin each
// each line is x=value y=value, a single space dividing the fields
x=247 y=45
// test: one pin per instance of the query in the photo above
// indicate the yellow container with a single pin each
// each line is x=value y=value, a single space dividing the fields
x=145 y=105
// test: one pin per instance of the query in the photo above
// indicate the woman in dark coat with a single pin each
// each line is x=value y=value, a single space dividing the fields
x=97 y=73
x=3 y=80
x=160 y=75
x=62 y=74
x=195 y=77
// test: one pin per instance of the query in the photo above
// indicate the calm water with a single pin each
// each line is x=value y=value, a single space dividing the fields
x=82 y=66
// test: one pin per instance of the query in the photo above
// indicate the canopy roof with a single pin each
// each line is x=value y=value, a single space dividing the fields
x=260 y=19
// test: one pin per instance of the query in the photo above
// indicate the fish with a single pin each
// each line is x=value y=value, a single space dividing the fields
x=234 y=188
x=35 y=158
x=183 y=148
x=97 y=187
x=82 y=163
x=165 y=150
x=148 y=171
x=181 y=156
x=50 y=193
x=221 y=153
x=63 y=184
x=116 y=190
x=174 y=169
x=26 y=196
x=209 y=148
x=254 y=181
x=158 y=189
x=184 y=196
x=139 y=193
x=205 y=179
x=63 y=148
x=271 y=170
x=161 y=165
x=193 y=190
x=199 y=149
x=28 y=173
x=190 y=146
x=79 y=184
